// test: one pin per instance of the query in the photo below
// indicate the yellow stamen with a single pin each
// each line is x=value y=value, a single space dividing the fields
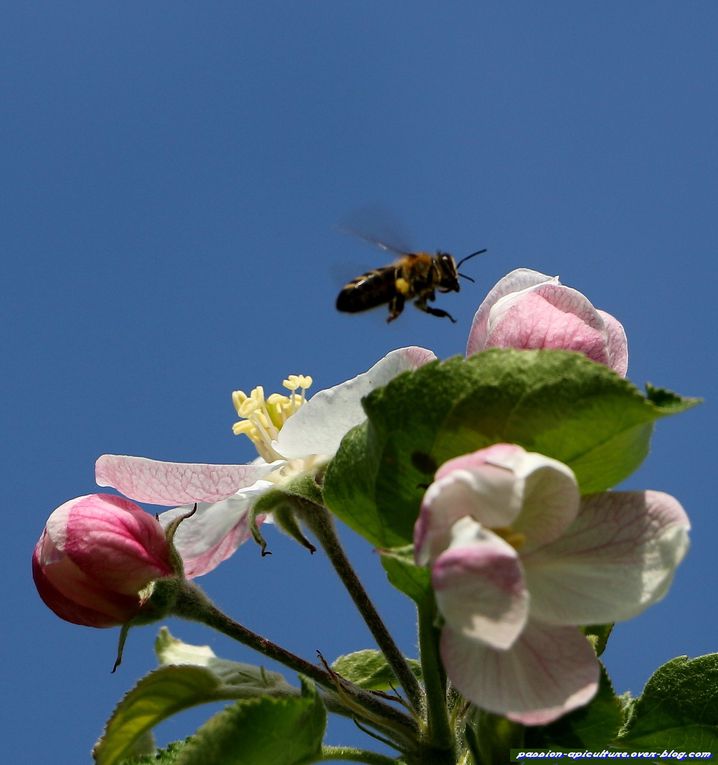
x=515 y=538
x=262 y=418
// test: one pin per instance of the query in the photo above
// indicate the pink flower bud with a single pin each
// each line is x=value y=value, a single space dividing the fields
x=95 y=555
x=527 y=309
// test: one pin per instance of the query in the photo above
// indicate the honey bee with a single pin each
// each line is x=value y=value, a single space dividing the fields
x=416 y=276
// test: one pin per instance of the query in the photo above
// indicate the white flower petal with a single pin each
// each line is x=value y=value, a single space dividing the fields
x=547 y=672
x=479 y=586
x=215 y=531
x=550 y=499
x=616 y=559
x=319 y=426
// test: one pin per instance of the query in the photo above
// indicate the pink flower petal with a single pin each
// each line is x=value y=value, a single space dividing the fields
x=547 y=672
x=617 y=344
x=468 y=487
x=520 y=279
x=548 y=316
x=616 y=559
x=319 y=426
x=175 y=483
x=72 y=595
x=115 y=543
x=479 y=586
x=500 y=486
x=215 y=531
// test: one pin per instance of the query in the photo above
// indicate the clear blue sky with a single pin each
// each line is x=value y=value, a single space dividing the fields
x=172 y=176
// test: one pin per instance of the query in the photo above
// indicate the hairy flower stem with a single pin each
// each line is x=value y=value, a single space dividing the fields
x=191 y=603
x=320 y=522
x=439 y=731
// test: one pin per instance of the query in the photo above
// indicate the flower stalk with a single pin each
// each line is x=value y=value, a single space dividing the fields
x=438 y=727
x=192 y=604
x=320 y=522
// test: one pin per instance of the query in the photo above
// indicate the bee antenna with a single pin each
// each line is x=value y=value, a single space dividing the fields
x=473 y=254
x=468 y=278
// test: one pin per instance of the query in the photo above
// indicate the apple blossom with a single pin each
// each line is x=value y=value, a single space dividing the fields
x=519 y=560
x=527 y=309
x=293 y=435
x=96 y=557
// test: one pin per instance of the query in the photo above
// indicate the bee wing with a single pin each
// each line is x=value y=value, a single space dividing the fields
x=378 y=227
x=382 y=245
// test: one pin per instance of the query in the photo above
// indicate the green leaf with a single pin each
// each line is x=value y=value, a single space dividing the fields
x=199 y=679
x=678 y=708
x=369 y=670
x=669 y=401
x=157 y=696
x=557 y=403
x=405 y=575
x=593 y=726
x=167 y=756
x=260 y=731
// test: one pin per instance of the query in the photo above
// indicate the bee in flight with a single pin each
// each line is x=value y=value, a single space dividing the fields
x=416 y=276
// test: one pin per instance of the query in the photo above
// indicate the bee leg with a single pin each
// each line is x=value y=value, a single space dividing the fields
x=440 y=312
x=422 y=306
x=396 y=306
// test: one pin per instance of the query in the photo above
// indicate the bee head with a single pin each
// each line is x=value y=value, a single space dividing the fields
x=448 y=275
x=449 y=271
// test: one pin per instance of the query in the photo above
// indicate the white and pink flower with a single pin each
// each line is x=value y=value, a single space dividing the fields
x=292 y=436
x=519 y=560
x=527 y=309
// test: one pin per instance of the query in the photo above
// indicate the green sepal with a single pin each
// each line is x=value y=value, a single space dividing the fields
x=598 y=635
x=490 y=737
x=405 y=575
x=170 y=531
x=287 y=505
x=557 y=403
x=369 y=670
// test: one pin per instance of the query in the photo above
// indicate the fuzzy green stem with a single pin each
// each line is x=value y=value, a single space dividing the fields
x=320 y=522
x=191 y=603
x=439 y=730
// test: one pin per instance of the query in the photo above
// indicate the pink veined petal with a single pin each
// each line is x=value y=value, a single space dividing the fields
x=479 y=586
x=517 y=280
x=616 y=559
x=175 y=483
x=489 y=494
x=617 y=344
x=500 y=455
x=319 y=426
x=215 y=531
x=116 y=543
x=548 y=316
x=546 y=673
x=72 y=595
x=550 y=499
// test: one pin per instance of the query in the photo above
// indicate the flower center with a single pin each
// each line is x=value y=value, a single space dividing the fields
x=515 y=538
x=262 y=418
